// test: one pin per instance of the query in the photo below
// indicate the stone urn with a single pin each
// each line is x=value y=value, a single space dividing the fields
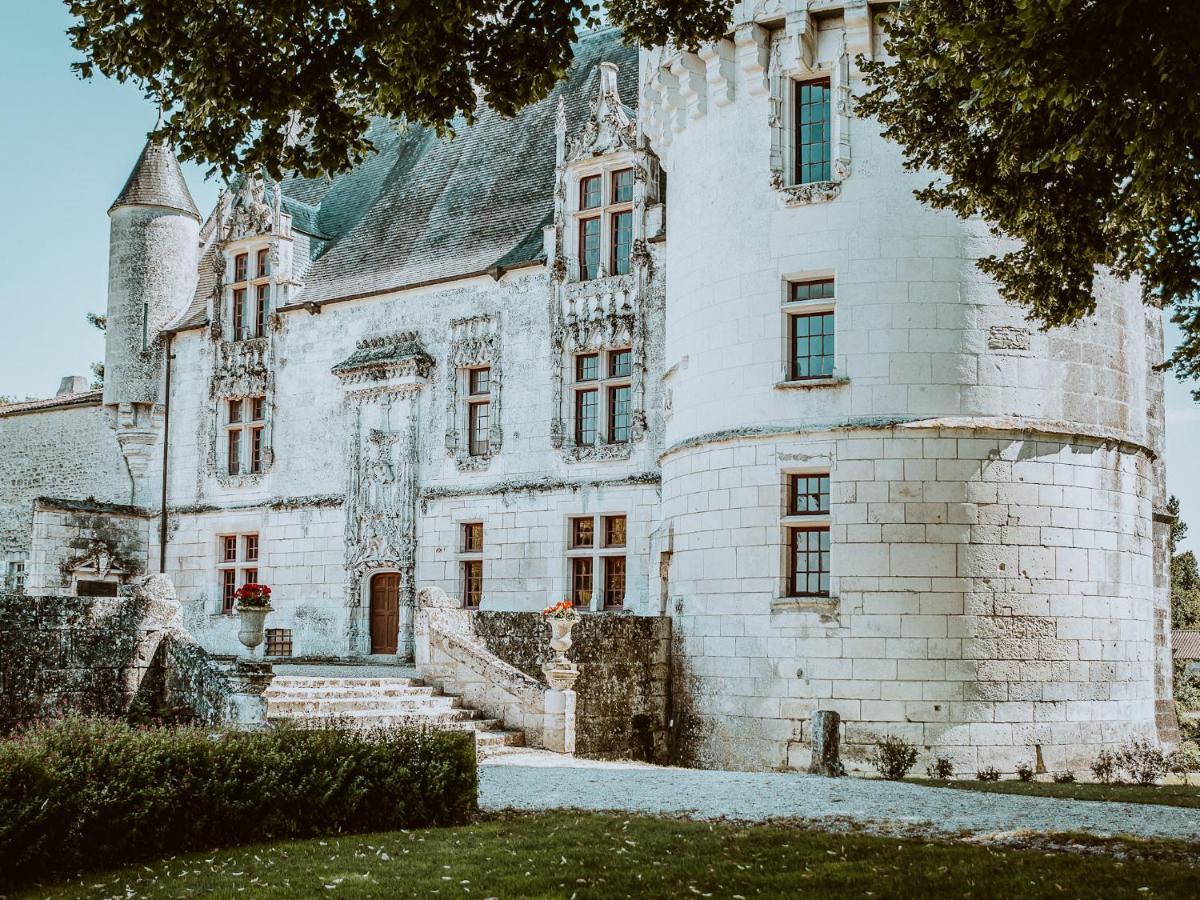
x=252 y=619
x=560 y=636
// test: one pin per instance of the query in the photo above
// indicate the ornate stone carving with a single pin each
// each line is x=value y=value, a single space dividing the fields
x=249 y=215
x=473 y=342
x=384 y=495
x=610 y=127
x=806 y=194
x=383 y=358
x=240 y=369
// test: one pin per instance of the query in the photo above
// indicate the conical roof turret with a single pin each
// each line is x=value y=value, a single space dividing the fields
x=157 y=180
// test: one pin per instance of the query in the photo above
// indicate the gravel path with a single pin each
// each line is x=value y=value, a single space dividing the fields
x=539 y=780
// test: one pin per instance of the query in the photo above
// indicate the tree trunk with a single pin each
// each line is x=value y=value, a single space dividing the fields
x=826 y=759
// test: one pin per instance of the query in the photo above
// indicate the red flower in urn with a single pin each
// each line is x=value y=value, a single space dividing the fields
x=253 y=596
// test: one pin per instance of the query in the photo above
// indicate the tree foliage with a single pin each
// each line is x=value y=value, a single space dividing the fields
x=1072 y=126
x=291 y=85
x=99 y=321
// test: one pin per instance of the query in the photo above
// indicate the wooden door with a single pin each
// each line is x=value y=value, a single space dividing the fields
x=385 y=612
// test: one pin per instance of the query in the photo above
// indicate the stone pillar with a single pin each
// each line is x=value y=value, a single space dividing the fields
x=558 y=721
x=247 y=705
x=826 y=759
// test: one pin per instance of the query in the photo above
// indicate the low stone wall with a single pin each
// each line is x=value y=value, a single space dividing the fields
x=623 y=692
x=96 y=655
x=61 y=654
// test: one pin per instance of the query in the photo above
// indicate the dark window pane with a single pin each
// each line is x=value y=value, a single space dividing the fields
x=239 y=267
x=618 y=415
x=262 y=263
x=250 y=545
x=581 y=581
x=812 y=131
x=614 y=531
x=479 y=381
x=810 y=561
x=622 y=186
x=235 y=451
x=586 y=414
x=228 y=586
x=472 y=537
x=589 y=192
x=812 y=345
x=229 y=549
x=589 y=249
x=479 y=418
x=620 y=363
x=582 y=533
x=813 y=290
x=256 y=451
x=614 y=582
x=472 y=582
x=261 y=308
x=239 y=314
x=587 y=367
x=808 y=494
x=622 y=243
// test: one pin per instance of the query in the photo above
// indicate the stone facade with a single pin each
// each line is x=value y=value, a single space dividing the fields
x=995 y=584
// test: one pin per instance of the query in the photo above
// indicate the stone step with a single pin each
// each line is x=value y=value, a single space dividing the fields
x=344 y=693
x=313 y=681
x=453 y=720
x=291 y=705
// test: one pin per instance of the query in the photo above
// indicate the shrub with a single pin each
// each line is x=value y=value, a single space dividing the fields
x=893 y=757
x=1025 y=771
x=1067 y=777
x=1184 y=760
x=1105 y=767
x=941 y=769
x=1144 y=761
x=82 y=793
x=991 y=773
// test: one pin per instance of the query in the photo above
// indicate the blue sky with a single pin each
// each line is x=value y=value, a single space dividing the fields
x=67 y=148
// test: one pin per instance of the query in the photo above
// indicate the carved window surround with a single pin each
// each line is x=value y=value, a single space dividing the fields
x=474 y=342
x=241 y=371
x=793 y=59
x=603 y=313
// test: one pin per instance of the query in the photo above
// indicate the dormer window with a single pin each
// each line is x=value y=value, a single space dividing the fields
x=605 y=223
x=250 y=295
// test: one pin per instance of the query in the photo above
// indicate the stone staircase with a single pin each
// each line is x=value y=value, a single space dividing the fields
x=378 y=701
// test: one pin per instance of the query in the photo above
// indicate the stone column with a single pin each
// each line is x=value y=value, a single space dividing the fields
x=826 y=759
x=558 y=721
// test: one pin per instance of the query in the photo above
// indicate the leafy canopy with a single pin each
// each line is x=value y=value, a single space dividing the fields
x=240 y=80
x=1073 y=126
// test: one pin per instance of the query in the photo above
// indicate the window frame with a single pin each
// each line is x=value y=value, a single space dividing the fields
x=824 y=168
x=597 y=556
x=603 y=387
x=606 y=214
x=793 y=310
x=250 y=283
x=248 y=433
x=797 y=525
x=470 y=562
x=244 y=566
x=478 y=445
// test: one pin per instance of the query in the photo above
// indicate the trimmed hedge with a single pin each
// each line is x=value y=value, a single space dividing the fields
x=83 y=793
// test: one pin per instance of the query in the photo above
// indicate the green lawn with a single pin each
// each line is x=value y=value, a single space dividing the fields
x=586 y=855
x=1163 y=795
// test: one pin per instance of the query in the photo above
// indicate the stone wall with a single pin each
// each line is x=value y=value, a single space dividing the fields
x=68 y=452
x=59 y=654
x=624 y=686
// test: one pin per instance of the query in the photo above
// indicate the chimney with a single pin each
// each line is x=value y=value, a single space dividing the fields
x=72 y=384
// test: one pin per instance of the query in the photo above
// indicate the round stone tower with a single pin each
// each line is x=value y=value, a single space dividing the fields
x=886 y=493
x=153 y=239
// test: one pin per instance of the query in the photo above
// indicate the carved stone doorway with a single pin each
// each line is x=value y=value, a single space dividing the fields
x=385 y=612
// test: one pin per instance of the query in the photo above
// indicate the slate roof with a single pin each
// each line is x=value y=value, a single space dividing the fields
x=86 y=398
x=156 y=180
x=423 y=209
x=1185 y=643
